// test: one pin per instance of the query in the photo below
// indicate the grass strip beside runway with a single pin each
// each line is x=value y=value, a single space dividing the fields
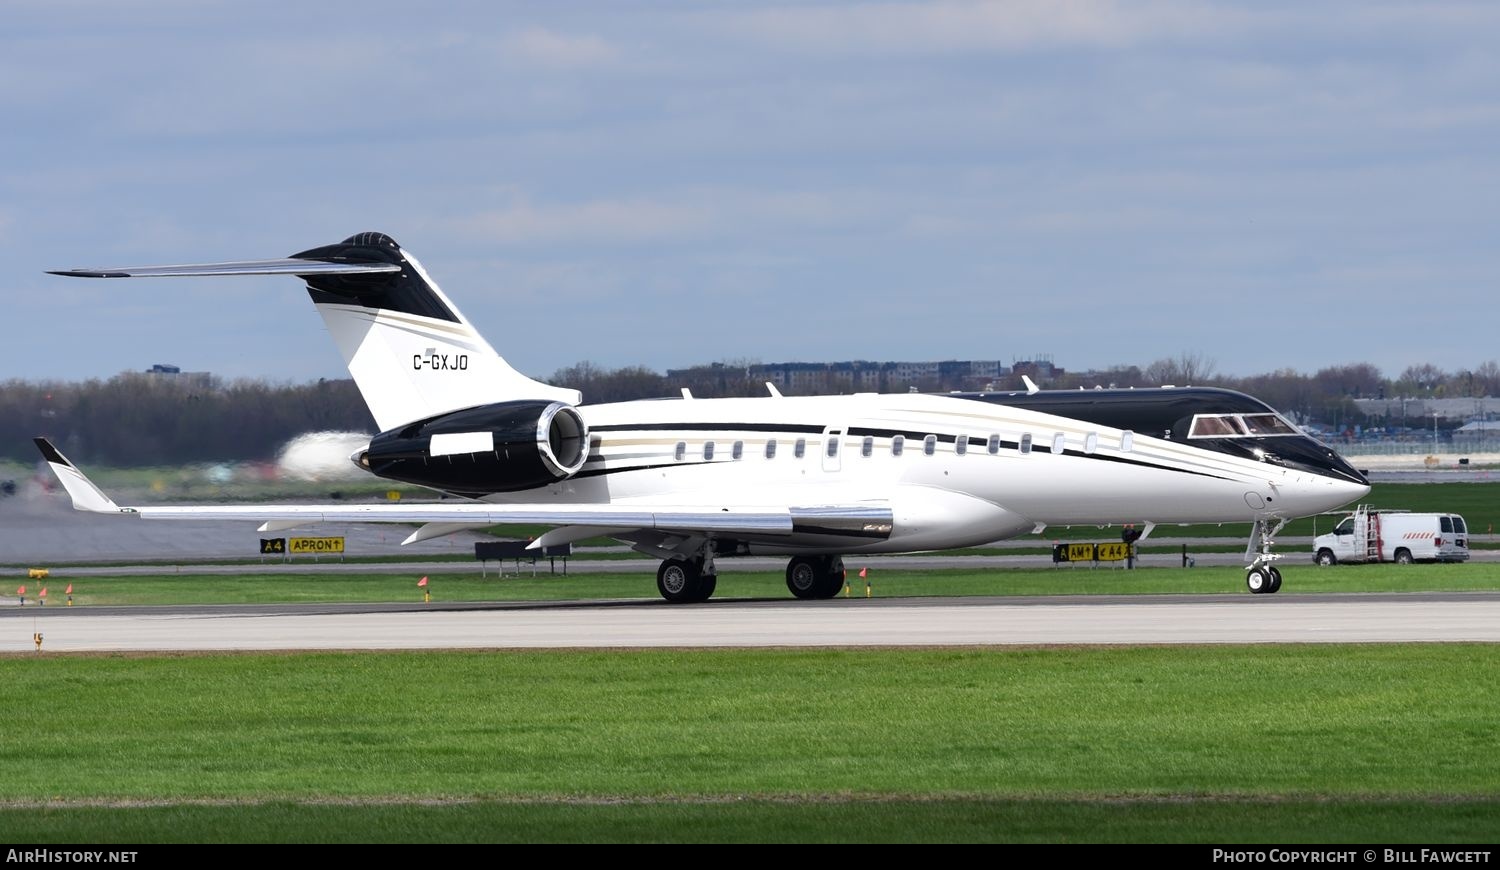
x=467 y=585
x=1394 y=733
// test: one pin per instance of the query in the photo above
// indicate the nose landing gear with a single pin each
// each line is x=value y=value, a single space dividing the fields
x=1261 y=576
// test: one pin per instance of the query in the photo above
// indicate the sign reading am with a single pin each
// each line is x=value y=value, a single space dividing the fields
x=315 y=545
x=1080 y=552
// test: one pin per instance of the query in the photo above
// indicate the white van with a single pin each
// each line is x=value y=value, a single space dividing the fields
x=1375 y=535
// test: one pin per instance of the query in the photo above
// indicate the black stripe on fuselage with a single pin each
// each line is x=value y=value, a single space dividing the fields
x=710 y=427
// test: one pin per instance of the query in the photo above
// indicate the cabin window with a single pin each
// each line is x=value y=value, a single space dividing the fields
x=867 y=447
x=708 y=450
x=832 y=450
x=1127 y=441
x=994 y=443
x=898 y=443
x=929 y=445
x=1026 y=443
x=737 y=451
x=1059 y=443
x=771 y=448
x=1459 y=527
x=961 y=446
x=1091 y=442
x=1445 y=524
x=799 y=449
x=680 y=451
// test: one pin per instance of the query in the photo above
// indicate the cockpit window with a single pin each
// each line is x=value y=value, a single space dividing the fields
x=1216 y=426
x=1268 y=424
x=1239 y=425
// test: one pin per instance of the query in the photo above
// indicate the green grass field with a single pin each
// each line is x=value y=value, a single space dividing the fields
x=1208 y=744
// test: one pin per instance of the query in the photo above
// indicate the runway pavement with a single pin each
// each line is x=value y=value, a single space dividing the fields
x=1061 y=620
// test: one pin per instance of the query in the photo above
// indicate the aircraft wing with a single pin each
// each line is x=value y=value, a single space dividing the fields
x=717 y=519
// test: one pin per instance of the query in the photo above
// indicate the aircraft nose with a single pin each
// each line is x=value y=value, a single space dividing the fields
x=1334 y=492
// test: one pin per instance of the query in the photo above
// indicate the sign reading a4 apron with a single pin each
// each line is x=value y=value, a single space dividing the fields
x=315 y=546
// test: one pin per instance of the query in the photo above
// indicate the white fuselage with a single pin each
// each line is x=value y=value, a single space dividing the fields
x=714 y=451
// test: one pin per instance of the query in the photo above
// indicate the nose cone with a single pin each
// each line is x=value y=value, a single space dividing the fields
x=1343 y=492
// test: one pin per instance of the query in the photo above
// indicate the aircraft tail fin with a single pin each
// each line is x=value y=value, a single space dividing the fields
x=410 y=351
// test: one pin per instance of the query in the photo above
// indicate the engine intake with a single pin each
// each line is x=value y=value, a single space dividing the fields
x=503 y=447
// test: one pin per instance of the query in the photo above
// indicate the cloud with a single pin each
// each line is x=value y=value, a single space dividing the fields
x=559 y=50
x=606 y=220
x=965 y=25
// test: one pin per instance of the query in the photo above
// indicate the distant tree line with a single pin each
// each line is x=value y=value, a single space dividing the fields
x=161 y=419
x=148 y=419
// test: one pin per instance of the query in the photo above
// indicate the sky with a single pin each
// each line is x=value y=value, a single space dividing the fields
x=1266 y=185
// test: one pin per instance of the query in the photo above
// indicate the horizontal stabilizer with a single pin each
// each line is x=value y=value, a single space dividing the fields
x=284 y=266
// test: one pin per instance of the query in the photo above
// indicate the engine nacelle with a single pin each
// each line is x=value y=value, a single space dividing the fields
x=502 y=447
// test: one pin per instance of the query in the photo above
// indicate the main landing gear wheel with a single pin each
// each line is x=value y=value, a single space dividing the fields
x=682 y=582
x=815 y=576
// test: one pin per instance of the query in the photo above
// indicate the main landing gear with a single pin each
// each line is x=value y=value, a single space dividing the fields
x=1262 y=576
x=682 y=580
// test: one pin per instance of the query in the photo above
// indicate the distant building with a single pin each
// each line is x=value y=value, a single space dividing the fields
x=175 y=374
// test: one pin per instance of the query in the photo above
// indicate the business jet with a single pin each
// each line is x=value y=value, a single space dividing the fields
x=813 y=478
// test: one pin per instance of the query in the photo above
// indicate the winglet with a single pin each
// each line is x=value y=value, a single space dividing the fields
x=86 y=496
x=1031 y=387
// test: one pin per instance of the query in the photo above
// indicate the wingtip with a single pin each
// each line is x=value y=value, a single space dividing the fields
x=50 y=453
x=84 y=494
